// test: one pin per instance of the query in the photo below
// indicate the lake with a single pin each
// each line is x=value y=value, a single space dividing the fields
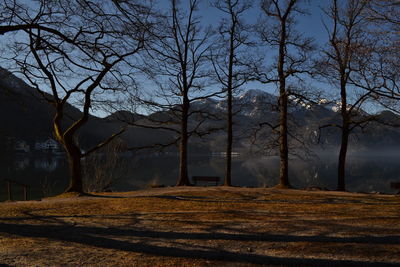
x=47 y=175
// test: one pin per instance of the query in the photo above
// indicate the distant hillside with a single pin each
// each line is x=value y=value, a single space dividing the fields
x=25 y=115
x=256 y=107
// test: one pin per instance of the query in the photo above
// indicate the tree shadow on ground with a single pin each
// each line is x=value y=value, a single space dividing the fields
x=100 y=196
x=105 y=238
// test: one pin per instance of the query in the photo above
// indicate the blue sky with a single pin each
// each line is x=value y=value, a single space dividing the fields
x=310 y=24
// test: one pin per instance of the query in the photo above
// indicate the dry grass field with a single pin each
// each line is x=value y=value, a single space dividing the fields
x=203 y=226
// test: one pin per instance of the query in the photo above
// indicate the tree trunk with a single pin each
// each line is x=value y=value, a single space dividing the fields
x=74 y=154
x=228 y=170
x=283 y=142
x=341 y=186
x=75 y=168
x=183 y=162
x=283 y=102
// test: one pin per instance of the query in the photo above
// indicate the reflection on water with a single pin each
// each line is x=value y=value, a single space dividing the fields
x=47 y=163
x=364 y=174
x=48 y=175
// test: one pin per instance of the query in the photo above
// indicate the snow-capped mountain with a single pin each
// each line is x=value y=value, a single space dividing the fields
x=255 y=107
x=252 y=103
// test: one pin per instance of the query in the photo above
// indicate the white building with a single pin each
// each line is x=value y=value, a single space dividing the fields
x=48 y=145
x=21 y=146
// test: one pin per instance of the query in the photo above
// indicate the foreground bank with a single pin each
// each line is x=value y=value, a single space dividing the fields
x=212 y=226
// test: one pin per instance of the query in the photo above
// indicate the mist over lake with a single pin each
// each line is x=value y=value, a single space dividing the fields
x=367 y=171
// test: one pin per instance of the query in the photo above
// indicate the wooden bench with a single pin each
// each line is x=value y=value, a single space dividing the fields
x=395 y=185
x=196 y=179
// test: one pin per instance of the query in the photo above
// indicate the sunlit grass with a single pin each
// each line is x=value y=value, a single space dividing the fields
x=287 y=224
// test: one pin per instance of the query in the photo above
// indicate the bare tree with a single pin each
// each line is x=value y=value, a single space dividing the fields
x=70 y=52
x=176 y=63
x=229 y=58
x=384 y=74
x=103 y=168
x=349 y=53
x=277 y=30
x=387 y=12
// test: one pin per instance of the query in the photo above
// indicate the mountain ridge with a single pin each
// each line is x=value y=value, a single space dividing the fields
x=24 y=115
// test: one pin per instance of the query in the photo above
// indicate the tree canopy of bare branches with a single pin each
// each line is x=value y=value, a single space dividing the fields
x=277 y=31
x=177 y=65
x=345 y=61
x=230 y=61
x=73 y=52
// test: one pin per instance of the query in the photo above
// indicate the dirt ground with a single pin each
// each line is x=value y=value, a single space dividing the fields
x=203 y=226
